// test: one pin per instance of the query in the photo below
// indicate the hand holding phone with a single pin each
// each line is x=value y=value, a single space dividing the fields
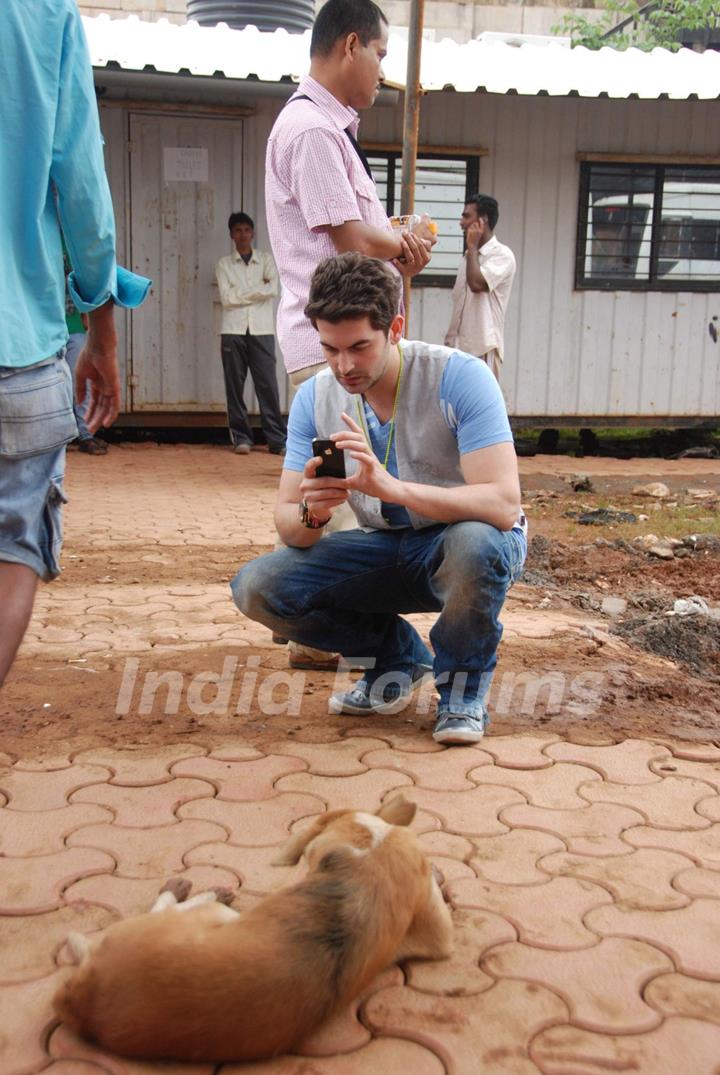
x=333 y=459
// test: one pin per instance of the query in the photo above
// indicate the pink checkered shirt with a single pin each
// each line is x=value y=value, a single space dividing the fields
x=314 y=179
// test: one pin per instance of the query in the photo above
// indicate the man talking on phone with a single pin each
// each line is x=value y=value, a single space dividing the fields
x=431 y=476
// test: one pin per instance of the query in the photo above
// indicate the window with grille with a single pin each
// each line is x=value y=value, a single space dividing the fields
x=442 y=185
x=653 y=227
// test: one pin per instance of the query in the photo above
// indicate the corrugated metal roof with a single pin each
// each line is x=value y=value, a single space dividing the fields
x=491 y=66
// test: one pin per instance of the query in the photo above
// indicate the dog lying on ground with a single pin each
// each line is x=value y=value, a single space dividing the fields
x=195 y=980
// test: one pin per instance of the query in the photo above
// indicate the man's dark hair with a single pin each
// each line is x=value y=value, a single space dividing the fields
x=351 y=286
x=486 y=206
x=338 y=18
x=240 y=218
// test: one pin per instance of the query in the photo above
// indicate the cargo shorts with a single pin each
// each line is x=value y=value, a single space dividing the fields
x=36 y=422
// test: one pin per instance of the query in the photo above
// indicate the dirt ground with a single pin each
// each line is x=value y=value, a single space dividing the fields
x=153 y=535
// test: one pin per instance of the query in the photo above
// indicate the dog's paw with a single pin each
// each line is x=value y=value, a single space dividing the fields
x=179 y=886
x=224 y=895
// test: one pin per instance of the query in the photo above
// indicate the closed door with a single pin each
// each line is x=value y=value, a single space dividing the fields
x=185 y=180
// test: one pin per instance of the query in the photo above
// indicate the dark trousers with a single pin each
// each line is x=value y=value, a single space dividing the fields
x=256 y=354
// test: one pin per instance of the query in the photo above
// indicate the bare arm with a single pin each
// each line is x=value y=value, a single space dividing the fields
x=408 y=251
x=98 y=364
x=365 y=239
x=491 y=493
x=475 y=236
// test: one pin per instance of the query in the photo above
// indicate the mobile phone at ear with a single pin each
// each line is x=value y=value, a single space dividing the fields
x=333 y=459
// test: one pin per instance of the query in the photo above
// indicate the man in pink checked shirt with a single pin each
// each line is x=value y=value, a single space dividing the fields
x=320 y=197
x=319 y=193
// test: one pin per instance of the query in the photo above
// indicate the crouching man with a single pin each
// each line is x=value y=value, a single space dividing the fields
x=432 y=479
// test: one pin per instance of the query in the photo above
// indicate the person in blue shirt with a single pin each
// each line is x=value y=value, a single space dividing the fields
x=432 y=478
x=52 y=185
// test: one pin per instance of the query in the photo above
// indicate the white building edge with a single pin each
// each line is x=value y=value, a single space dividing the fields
x=186 y=112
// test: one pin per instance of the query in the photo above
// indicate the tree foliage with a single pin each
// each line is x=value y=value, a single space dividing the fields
x=648 y=25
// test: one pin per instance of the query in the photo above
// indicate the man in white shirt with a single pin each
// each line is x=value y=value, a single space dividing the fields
x=483 y=285
x=248 y=283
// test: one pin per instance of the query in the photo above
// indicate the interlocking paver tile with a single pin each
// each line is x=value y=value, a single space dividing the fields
x=594 y=830
x=461 y=975
x=74 y=1067
x=142 y=807
x=484 y=1033
x=702 y=845
x=365 y=791
x=705 y=771
x=676 y=994
x=154 y=852
x=520 y=751
x=236 y=752
x=438 y=842
x=28 y=943
x=64 y=1045
x=670 y=804
x=341 y=758
x=677 y=1045
x=139 y=766
x=33 y=885
x=384 y=1055
x=25 y=1015
x=550 y=915
x=699 y=882
x=471 y=813
x=601 y=986
x=251 y=864
x=415 y=740
x=690 y=935
x=641 y=881
x=513 y=857
x=37 y=790
x=241 y=781
x=709 y=808
x=42 y=765
x=43 y=832
x=555 y=788
x=344 y=1033
x=696 y=751
x=128 y=896
x=446 y=771
x=624 y=763
x=256 y=824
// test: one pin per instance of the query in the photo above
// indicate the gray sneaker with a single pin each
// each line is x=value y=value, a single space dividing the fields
x=459 y=728
x=365 y=698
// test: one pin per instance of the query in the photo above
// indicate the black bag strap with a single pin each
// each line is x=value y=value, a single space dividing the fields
x=353 y=140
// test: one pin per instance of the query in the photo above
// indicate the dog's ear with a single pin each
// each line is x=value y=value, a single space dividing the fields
x=291 y=852
x=399 y=811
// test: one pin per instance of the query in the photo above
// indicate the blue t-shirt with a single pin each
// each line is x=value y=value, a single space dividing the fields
x=472 y=406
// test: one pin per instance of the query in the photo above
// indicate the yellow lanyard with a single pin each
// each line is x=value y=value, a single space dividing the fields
x=361 y=414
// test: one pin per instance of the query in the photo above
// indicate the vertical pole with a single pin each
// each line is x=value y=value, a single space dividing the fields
x=411 y=121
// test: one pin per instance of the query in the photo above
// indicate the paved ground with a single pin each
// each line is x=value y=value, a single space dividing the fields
x=585 y=879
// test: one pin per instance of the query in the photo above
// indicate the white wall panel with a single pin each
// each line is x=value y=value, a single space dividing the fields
x=568 y=353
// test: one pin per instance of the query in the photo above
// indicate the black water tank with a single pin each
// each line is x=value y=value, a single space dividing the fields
x=291 y=15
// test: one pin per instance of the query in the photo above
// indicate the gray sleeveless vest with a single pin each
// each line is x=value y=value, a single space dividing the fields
x=425 y=447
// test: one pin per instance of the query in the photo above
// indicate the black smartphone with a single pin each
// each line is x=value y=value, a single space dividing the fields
x=333 y=459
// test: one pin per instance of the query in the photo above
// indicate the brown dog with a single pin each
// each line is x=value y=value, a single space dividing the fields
x=196 y=981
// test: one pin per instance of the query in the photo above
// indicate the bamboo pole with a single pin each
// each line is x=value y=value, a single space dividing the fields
x=411 y=121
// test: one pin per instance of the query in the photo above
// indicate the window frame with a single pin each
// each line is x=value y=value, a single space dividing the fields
x=393 y=153
x=655 y=168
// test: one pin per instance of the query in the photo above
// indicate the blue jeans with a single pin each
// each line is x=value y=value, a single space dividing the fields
x=36 y=422
x=347 y=593
x=75 y=344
